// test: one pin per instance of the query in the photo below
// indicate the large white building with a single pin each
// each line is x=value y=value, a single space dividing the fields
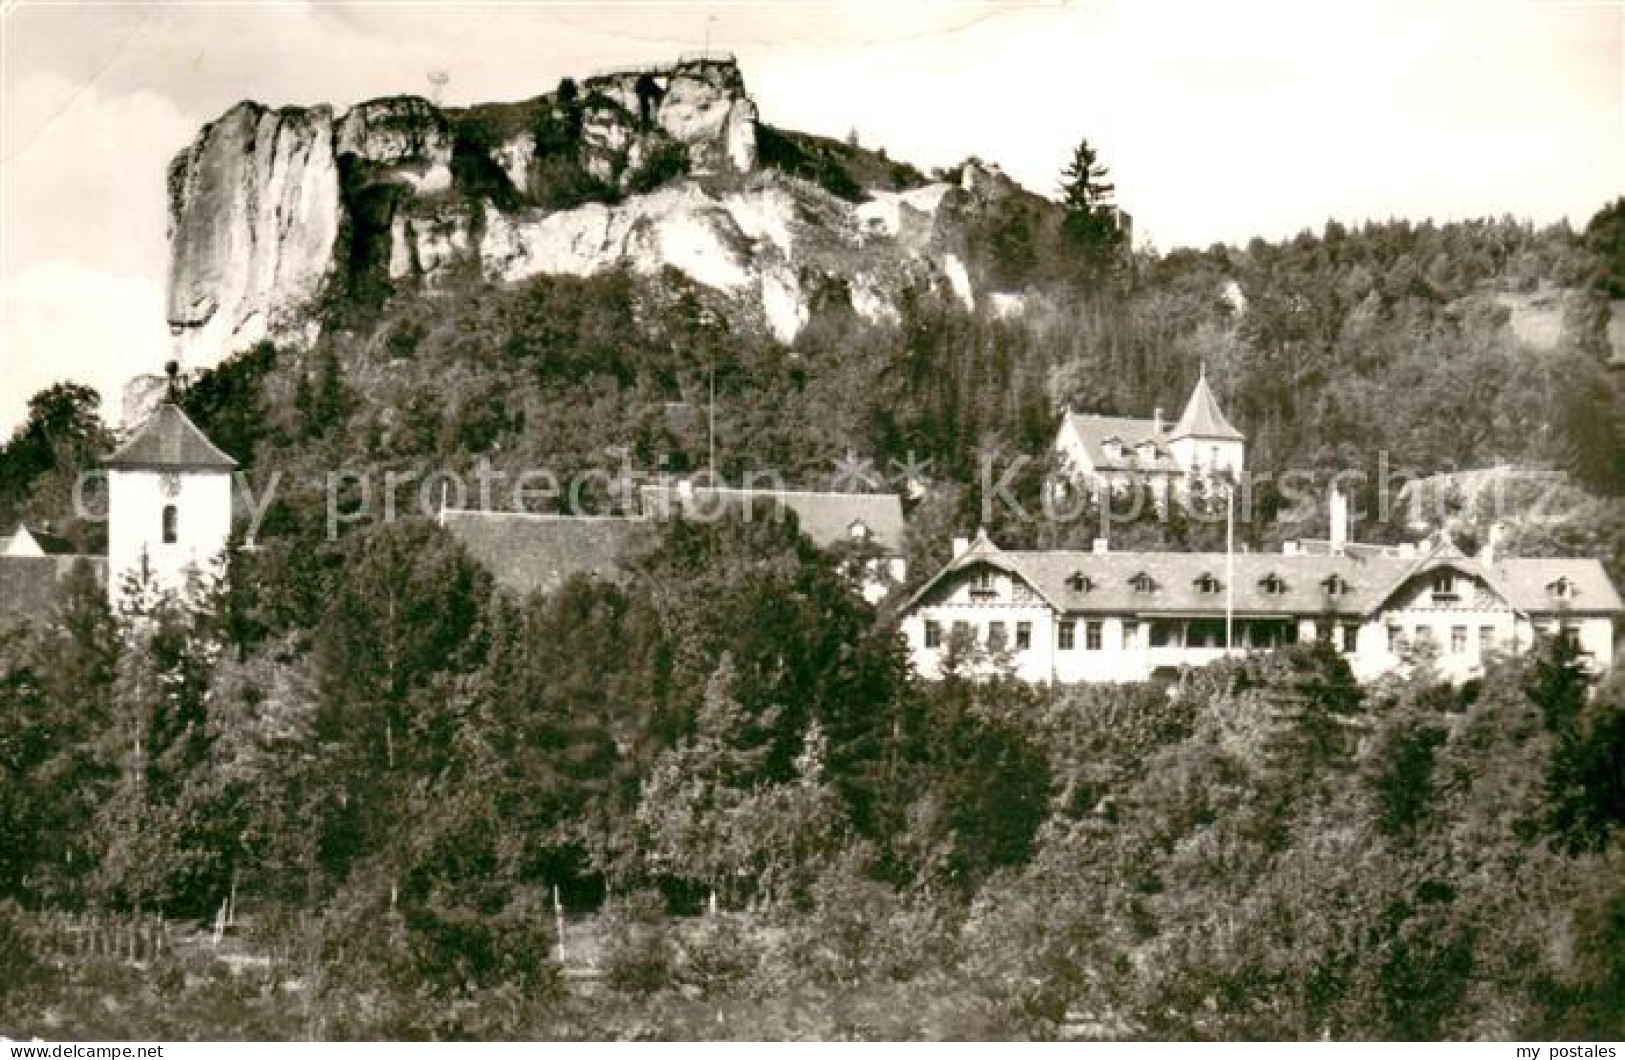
x=1129 y=616
x=1119 y=452
x=168 y=506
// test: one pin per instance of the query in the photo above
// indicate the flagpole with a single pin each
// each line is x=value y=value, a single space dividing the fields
x=1229 y=566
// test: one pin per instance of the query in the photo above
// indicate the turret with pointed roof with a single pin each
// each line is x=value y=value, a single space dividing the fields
x=1203 y=418
x=1116 y=452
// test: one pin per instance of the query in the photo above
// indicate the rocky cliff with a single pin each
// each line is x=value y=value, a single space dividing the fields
x=277 y=213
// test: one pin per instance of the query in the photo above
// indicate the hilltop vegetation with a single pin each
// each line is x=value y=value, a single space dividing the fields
x=390 y=799
x=391 y=768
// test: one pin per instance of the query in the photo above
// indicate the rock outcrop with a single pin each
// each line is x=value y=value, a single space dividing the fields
x=274 y=213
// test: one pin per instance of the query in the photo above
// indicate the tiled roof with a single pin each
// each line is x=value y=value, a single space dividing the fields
x=1323 y=547
x=1094 y=431
x=1203 y=417
x=825 y=517
x=530 y=553
x=1528 y=581
x=1176 y=577
x=168 y=439
x=1370 y=579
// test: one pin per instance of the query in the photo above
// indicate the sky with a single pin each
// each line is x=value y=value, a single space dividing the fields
x=1220 y=121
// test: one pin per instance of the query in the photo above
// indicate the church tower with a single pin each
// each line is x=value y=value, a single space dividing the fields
x=169 y=504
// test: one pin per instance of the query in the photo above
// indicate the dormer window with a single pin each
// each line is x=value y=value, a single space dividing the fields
x=1335 y=585
x=1207 y=583
x=1143 y=583
x=169 y=524
x=1273 y=584
x=1561 y=589
x=1444 y=585
x=1079 y=582
x=1112 y=448
x=982 y=584
x=858 y=531
x=1148 y=452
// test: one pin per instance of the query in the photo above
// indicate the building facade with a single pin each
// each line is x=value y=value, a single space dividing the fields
x=533 y=552
x=1065 y=617
x=1121 y=452
x=168 y=507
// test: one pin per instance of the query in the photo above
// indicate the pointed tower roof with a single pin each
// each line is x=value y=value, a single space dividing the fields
x=169 y=441
x=1203 y=417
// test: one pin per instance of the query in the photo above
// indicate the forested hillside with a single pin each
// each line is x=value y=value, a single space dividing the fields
x=389 y=771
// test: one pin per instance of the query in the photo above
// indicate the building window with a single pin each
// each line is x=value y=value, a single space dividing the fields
x=1131 y=635
x=1068 y=634
x=962 y=633
x=1444 y=585
x=933 y=635
x=1561 y=589
x=1351 y=638
x=1323 y=631
x=1024 y=635
x=981 y=583
x=1091 y=636
x=1486 y=639
x=1458 y=640
x=1424 y=635
x=1273 y=585
x=1143 y=583
x=169 y=524
x=1207 y=583
x=1335 y=585
x=1396 y=640
x=1079 y=582
x=995 y=636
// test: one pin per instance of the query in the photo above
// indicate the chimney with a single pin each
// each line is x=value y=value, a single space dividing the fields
x=961 y=546
x=1156 y=418
x=1492 y=545
x=1101 y=546
x=1289 y=548
x=1338 y=502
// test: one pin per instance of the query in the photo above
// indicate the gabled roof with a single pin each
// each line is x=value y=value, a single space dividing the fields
x=1203 y=418
x=1110 y=577
x=529 y=553
x=1094 y=431
x=29 y=542
x=1372 y=579
x=825 y=517
x=1526 y=580
x=168 y=440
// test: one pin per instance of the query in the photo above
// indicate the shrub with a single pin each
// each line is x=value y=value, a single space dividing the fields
x=638 y=956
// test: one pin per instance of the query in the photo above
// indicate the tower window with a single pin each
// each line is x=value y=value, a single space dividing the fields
x=169 y=524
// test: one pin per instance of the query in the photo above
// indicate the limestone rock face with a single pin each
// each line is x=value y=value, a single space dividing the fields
x=254 y=220
x=272 y=211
